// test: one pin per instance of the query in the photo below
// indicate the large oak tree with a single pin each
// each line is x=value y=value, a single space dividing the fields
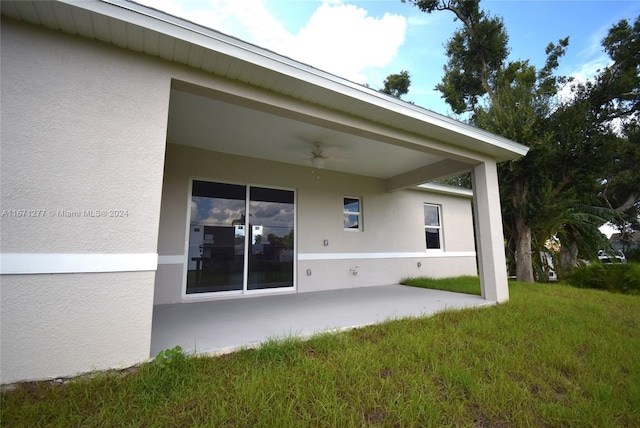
x=557 y=189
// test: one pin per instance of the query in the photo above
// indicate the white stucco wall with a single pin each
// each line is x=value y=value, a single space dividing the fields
x=57 y=325
x=83 y=130
x=388 y=249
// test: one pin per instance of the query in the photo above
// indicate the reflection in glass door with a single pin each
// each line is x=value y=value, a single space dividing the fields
x=216 y=237
x=271 y=241
x=230 y=251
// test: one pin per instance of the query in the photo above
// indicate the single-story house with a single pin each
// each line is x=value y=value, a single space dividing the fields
x=626 y=241
x=147 y=160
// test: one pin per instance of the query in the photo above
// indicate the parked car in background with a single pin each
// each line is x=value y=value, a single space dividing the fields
x=610 y=257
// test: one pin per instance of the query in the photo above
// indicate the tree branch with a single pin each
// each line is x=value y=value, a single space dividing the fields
x=632 y=200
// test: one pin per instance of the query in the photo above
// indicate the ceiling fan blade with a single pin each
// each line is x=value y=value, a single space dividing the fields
x=338 y=159
x=330 y=151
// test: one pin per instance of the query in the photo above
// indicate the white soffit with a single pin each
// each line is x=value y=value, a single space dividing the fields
x=143 y=29
x=227 y=128
x=445 y=189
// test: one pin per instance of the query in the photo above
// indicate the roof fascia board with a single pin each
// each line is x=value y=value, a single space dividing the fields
x=189 y=32
x=192 y=33
x=212 y=40
x=446 y=190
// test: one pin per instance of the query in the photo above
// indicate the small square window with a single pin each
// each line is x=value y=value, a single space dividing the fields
x=352 y=210
x=432 y=227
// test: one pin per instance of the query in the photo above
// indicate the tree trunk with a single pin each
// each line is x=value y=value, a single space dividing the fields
x=568 y=256
x=511 y=253
x=524 y=265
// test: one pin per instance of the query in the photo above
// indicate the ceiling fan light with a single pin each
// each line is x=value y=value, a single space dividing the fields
x=317 y=162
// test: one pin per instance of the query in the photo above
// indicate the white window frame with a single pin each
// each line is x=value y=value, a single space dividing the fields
x=438 y=227
x=352 y=213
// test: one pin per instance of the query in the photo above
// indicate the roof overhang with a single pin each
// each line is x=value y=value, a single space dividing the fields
x=446 y=190
x=383 y=136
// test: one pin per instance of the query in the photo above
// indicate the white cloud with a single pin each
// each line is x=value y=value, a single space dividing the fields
x=590 y=69
x=195 y=217
x=247 y=19
x=344 y=40
x=593 y=46
x=592 y=59
x=584 y=73
x=338 y=38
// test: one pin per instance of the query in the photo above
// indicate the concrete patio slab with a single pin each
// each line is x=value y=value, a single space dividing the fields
x=225 y=325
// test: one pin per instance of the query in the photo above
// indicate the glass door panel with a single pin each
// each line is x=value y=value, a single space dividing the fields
x=216 y=237
x=271 y=237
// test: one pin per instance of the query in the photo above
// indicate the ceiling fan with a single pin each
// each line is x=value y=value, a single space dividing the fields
x=319 y=155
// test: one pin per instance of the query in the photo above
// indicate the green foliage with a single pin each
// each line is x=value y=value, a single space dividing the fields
x=621 y=185
x=616 y=278
x=601 y=126
x=167 y=357
x=476 y=52
x=633 y=255
x=577 y=158
x=463 y=180
x=397 y=85
x=617 y=89
x=575 y=227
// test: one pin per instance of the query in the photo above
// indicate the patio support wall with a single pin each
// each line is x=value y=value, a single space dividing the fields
x=489 y=233
x=83 y=141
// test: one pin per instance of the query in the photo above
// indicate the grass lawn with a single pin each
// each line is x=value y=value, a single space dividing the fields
x=461 y=284
x=552 y=356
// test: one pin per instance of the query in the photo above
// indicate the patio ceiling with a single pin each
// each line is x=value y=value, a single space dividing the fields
x=212 y=124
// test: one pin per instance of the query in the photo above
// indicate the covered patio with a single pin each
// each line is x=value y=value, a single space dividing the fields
x=221 y=326
x=304 y=182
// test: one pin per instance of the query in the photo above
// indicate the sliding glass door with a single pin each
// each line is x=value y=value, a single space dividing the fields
x=216 y=237
x=232 y=251
x=271 y=245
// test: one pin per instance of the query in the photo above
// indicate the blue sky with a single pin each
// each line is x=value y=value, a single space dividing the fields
x=365 y=41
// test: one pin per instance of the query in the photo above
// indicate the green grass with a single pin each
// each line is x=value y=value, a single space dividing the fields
x=462 y=284
x=552 y=356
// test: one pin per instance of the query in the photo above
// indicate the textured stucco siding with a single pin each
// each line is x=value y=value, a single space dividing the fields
x=62 y=325
x=83 y=130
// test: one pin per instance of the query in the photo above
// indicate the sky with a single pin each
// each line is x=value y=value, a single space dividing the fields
x=366 y=40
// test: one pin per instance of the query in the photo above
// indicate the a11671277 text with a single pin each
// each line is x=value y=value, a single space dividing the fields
x=63 y=213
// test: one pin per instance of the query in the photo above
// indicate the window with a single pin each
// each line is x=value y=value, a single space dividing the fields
x=432 y=227
x=352 y=214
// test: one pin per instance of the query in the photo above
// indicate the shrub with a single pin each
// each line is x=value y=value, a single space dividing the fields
x=617 y=278
x=633 y=255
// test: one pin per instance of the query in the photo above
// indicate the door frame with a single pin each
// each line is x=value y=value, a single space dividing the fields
x=244 y=292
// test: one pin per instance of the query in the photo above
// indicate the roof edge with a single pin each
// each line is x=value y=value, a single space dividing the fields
x=351 y=89
x=446 y=189
x=181 y=29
